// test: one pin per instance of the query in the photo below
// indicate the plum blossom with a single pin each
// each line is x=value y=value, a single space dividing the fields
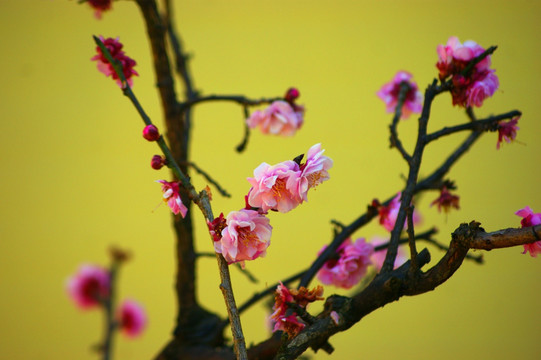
x=350 y=266
x=389 y=213
x=389 y=92
x=100 y=6
x=275 y=187
x=279 y=118
x=378 y=257
x=507 y=131
x=89 y=286
x=246 y=236
x=171 y=196
x=314 y=171
x=286 y=319
x=131 y=318
x=157 y=162
x=115 y=49
x=446 y=200
x=468 y=89
x=529 y=218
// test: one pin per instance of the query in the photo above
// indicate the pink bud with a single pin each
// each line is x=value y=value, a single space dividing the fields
x=292 y=94
x=151 y=133
x=157 y=162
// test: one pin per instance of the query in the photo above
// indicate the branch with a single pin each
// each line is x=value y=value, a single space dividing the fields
x=488 y=124
x=395 y=141
x=239 y=99
x=391 y=286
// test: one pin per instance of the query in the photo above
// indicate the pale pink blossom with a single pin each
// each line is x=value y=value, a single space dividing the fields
x=89 y=287
x=389 y=92
x=468 y=89
x=275 y=187
x=100 y=6
x=507 y=131
x=378 y=257
x=171 y=196
x=279 y=118
x=246 y=236
x=115 y=49
x=350 y=266
x=131 y=318
x=314 y=171
x=529 y=218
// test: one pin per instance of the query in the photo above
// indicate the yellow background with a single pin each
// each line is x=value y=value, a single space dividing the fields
x=76 y=175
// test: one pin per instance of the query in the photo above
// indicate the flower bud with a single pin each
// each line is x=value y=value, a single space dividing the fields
x=292 y=94
x=151 y=133
x=157 y=162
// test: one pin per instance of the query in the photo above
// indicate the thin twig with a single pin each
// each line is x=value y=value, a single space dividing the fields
x=411 y=239
x=239 y=99
x=203 y=173
x=245 y=272
x=395 y=141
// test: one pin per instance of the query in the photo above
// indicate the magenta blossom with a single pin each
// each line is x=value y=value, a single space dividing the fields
x=529 y=218
x=89 y=287
x=171 y=196
x=314 y=171
x=378 y=257
x=246 y=236
x=413 y=102
x=284 y=318
x=468 y=89
x=507 y=131
x=280 y=118
x=115 y=48
x=275 y=187
x=151 y=133
x=389 y=213
x=350 y=266
x=446 y=200
x=100 y=6
x=132 y=318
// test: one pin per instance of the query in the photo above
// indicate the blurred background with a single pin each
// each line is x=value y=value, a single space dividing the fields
x=76 y=176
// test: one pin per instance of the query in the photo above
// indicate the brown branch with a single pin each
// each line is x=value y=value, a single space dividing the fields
x=389 y=287
x=395 y=141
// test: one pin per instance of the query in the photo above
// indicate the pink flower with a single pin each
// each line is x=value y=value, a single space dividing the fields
x=485 y=86
x=378 y=257
x=314 y=171
x=115 y=48
x=479 y=84
x=246 y=236
x=350 y=267
x=275 y=187
x=529 y=218
x=280 y=118
x=288 y=321
x=507 y=131
x=216 y=227
x=389 y=94
x=89 y=287
x=131 y=318
x=389 y=213
x=171 y=196
x=446 y=200
x=99 y=6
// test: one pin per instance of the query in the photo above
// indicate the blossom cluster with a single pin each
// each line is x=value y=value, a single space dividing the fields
x=285 y=318
x=245 y=234
x=90 y=288
x=115 y=49
x=281 y=117
x=472 y=88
